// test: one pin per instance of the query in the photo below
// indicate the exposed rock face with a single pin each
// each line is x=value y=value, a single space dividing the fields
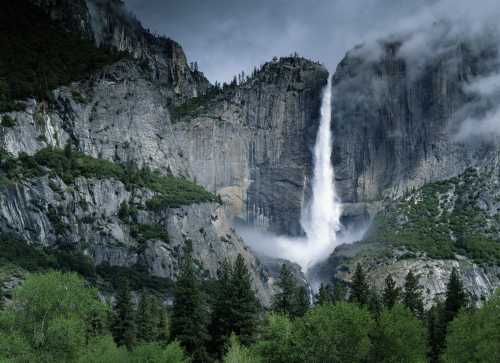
x=446 y=224
x=433 y=274
x=108 y=24
x=395 y=117
x=250 y=143
x=47 y=211
x=253 y=144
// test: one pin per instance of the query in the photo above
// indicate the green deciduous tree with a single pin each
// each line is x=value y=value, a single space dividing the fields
x=475 y=336
x=333 y=333
x=276 y=344
x=398 y=336
x=155 y=353
x=237 y=353
x=50 y=318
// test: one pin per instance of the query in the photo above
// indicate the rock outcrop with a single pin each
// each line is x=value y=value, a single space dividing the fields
x=379 y=260
x=85 y=214
x=251 y=144
x=396 y=116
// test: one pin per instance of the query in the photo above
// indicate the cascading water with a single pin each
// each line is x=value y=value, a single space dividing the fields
x=320 y=216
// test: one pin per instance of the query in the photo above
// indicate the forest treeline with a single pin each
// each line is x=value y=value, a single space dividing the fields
x=58 y=317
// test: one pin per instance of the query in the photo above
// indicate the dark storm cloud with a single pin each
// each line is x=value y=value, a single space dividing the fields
x=228 y=36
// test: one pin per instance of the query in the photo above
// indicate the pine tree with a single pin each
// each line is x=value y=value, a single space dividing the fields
x=374 y=303
x=244 y=303
x=359 y=288
x=339 y=292
x=283 y=301
x=123 y=325
x=146 y=320
x=324 y=295
x=436 y=332
x=221 y=323
x=302 y=301
x=189 y=316
x=162 y=329
x=390 y=295
x=412 y=295
x=455 y=297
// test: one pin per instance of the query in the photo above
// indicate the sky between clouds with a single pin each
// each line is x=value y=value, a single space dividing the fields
x=228 y=36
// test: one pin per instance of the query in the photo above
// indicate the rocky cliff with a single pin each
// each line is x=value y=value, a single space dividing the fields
x=109 y=25
x=252 y=143
x=412 y=154
x=249 y=142
x=397 y=113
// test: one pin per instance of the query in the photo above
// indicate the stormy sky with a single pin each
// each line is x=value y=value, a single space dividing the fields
x=228 y=36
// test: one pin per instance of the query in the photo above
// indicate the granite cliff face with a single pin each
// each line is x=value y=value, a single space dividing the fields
x=108 y=24
x=86 y=214
x=250 y=143
x=396 y=117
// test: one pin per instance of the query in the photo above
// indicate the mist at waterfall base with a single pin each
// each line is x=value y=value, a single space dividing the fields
x=320 y=215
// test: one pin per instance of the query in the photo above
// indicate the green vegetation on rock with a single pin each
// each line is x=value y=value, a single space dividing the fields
x=172 y=192
x=443 y=219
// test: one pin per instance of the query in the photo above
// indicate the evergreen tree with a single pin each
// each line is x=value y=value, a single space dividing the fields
x=374 y=303
x=324 y=295
x=244 y=303
x=436 y=332
x=123 y=325
x=146 y=320
x=236 y=306
x=339 y=292
x=455 y=296
x=390 y=295
x=189 y=317
x=221 y=325
x=162 y=328
x=412 y=295
x=283 y=301
x=302 y=302
x=359 y=288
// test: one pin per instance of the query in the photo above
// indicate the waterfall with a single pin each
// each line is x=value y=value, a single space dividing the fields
x=320 y=215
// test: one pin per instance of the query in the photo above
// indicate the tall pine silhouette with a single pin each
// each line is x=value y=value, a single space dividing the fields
x=189 y=316
x=359 y=288
x=390 y=295
x=244 y=303
x=284 y=299
x=123 y=323
x=235 y=306
x=412 y=295
x=455 y=296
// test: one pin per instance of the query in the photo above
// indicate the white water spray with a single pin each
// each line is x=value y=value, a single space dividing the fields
x=321 y=215
x=321 y=218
